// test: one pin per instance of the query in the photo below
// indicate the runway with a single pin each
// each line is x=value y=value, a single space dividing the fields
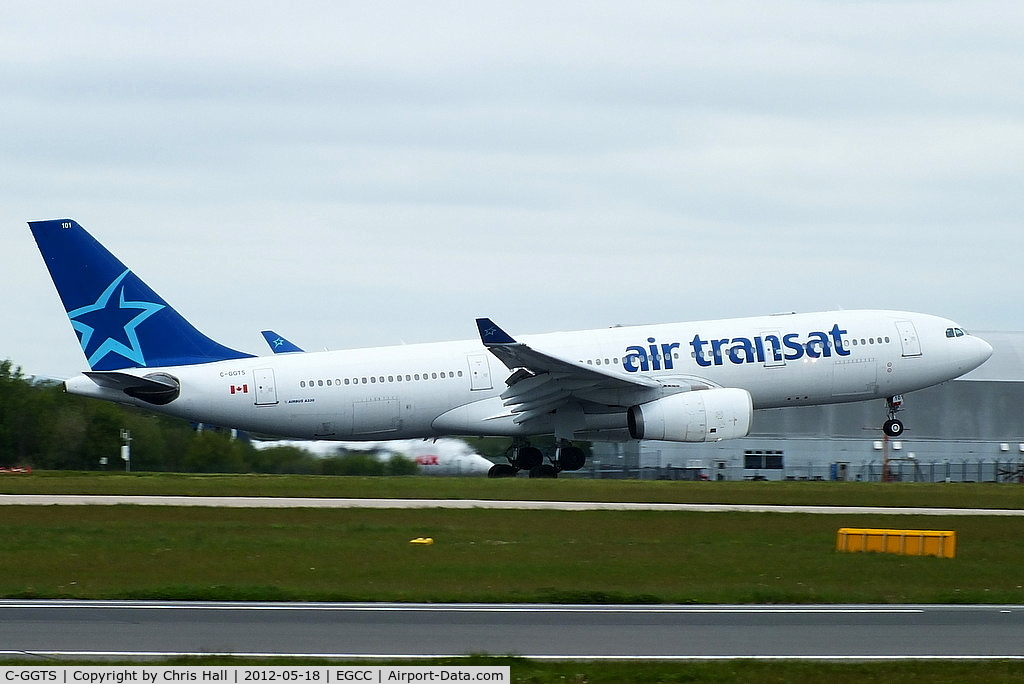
x=103 y=629
x=130 y=629
x=311 y=502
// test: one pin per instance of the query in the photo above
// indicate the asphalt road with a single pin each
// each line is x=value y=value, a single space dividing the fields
x=48 y=629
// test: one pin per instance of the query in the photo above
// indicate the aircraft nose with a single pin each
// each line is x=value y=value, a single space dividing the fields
x=980 y=352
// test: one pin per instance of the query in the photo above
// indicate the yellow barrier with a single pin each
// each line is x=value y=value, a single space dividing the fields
x=905 y=542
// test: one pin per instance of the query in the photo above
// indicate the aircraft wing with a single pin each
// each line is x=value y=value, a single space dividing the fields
x=542 y=382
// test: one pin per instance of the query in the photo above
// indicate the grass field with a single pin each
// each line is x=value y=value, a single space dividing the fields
x=525 y=671
x=486 y=555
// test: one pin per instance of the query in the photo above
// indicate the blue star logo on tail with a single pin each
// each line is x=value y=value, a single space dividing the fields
x=113 y=317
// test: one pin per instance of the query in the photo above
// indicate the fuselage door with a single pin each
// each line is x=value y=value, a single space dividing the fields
x=479 y=372
x=266 y=388
x=771 y=346
x=908 y=338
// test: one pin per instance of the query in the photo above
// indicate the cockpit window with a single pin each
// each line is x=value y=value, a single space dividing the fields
x=954 y=332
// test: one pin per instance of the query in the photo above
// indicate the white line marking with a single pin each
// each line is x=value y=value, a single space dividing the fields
x=456 y=608
x=309 y=502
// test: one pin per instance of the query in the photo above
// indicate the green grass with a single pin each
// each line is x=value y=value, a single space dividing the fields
x=963 y=495
x=525 y=671
x=485 y=555
x=488 y=555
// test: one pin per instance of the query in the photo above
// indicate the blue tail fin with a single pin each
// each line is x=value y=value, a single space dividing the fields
x=120 y=321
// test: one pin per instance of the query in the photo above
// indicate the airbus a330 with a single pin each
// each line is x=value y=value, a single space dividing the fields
x=685 y=382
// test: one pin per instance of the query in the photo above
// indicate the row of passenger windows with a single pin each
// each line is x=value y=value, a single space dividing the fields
x=863 y=341
x=374 y=379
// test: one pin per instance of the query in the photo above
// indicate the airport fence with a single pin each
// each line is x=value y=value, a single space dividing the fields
x=964 y=470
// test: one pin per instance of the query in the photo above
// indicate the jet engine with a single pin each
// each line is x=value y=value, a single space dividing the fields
x=698 y=416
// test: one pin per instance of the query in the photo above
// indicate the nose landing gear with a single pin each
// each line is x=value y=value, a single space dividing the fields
x=893 y=427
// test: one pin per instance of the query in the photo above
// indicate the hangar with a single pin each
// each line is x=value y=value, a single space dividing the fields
x=966 y=430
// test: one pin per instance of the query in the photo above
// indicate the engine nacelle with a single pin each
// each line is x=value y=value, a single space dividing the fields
x=699 y=416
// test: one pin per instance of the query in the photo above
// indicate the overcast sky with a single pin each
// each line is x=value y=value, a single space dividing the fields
x=368 y=173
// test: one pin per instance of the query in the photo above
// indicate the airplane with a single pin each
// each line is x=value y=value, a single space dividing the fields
x=685 y=382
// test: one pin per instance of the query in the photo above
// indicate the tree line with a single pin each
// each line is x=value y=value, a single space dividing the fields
x=42 y=427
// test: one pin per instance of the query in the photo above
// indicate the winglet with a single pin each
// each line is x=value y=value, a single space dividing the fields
x=491 y=334
x=278 y=344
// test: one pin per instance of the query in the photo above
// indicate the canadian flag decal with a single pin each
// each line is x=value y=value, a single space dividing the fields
x=240 y=389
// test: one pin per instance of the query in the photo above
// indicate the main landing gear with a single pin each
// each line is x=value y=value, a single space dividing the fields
x=893 y=427
x=522 y=456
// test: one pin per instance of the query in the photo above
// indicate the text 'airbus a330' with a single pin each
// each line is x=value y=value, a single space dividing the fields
x=684 y=382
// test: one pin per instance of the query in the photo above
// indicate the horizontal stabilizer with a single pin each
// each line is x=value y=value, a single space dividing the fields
x=155 y=388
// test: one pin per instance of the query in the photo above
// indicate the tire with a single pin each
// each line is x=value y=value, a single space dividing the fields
x=892 y=428
x=544 y=471
x=529 y=458
x=501 y=470
x=571 y=458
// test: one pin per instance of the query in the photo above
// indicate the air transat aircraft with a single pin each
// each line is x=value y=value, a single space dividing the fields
x=685 y=382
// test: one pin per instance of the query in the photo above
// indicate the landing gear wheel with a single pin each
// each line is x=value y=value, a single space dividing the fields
x=528 y=458
x=571 y=458
x=501 y=470
x=545 y=470
x=892 y=427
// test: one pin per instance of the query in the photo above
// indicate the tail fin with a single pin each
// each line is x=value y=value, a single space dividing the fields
x=120 y=321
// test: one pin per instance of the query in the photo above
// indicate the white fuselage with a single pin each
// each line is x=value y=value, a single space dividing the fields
x=452 y=388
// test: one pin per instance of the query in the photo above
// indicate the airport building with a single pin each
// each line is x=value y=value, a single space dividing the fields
x=966 y=430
